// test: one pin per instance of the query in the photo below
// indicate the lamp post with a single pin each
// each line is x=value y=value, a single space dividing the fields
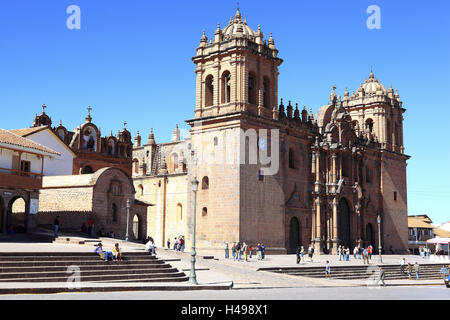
x=380 y=260
x=128 y=218
x=192 y=275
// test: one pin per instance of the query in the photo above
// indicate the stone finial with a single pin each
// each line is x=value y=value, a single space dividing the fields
x=296 y=113
x=88 y=117
x=151 y=137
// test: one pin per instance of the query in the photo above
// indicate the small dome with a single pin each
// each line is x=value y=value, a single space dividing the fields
x=238 y=25
x=373 y=86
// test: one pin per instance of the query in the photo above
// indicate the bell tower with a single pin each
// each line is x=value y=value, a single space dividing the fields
x=237 y=70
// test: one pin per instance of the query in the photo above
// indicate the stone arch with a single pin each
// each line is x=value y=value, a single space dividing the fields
x=294 y=235
x=370 y=235
x=136 y=166
x=17 y=214
x=204 y=211
x=141 y=189
x=266 y=92
x=226 y=86
x=137 y=227
x=252 y=87
x=179 y=212
x=369 y=124
x=209 y=91
x=86 y=170
x=344 y=223
x=205 y=183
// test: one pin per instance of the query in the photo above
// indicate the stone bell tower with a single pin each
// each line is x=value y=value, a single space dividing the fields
x=237 y=70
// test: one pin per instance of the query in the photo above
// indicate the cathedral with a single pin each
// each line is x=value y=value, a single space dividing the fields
x=341 y=174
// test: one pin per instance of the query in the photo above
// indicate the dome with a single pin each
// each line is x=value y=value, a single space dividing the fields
x=238 y=26
x=373 y=86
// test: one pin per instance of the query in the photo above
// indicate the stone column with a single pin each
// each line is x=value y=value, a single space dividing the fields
x=335 y=227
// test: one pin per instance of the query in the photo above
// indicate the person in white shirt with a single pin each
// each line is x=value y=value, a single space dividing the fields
x=150 y=247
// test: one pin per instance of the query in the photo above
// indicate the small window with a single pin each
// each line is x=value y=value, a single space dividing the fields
x=205 y=183
x=114 y=212
x=291 y=159
x=25 y=166
x=204 y=211
x=395 y=195
x=179 y=212
x=216 y=141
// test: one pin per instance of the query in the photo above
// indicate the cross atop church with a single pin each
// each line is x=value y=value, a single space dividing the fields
x=125 y=124
x=43 y=108
x=89 y=110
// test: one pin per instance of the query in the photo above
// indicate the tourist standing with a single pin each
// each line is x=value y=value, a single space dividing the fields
x=238 y=251
x=365 y=256
x=416 y=270
x=56 y=225
x=302 y=254
x=168 y=243
x=327 y=269
x=298 y=255
x=250 y=250
x=402 y=265
x=339 y=251
x=244 y=251
x=258 y=253
x=90 y=227
x=355 y=252
x=369 y=251
x=233 y=250
x=263 y=251
x=226 y=250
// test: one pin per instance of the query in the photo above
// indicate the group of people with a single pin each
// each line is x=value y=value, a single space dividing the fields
x=301 y=253
x=114 y=255
x=243 y=251
x=179 y=243
x=409 y=268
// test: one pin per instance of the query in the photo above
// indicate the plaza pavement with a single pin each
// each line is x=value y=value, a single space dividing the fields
x=219 y=273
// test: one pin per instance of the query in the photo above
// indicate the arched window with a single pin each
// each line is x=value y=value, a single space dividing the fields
x=205 y=183
x=266 y=93
x=251 y=88
x=111 y=147
x=87 y=170
x=136 y=166
x=114 y=212
x=226 y=87
x=291 y=158
x=369 y=124
x=204 y=211
x=174 y=162
x=141 y=189
x=179 y=212
x=209 y=91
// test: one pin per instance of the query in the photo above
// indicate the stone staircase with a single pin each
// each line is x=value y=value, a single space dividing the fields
x=392 y=272
x=58 y=267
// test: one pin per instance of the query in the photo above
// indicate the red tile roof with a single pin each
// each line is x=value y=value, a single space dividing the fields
x=14 y=139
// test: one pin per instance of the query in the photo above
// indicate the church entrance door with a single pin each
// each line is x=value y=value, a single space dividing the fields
x=344 y=229
x=294 y=235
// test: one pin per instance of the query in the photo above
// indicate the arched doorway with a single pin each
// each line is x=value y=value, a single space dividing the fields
x=16 y=215
x=136 y=228
x=294 y=235
x=344 y=228
x=370 y=237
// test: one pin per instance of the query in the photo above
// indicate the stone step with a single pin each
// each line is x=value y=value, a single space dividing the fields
x=64 y=254
x=50 y=263
x=103 y=266
x=108 y=278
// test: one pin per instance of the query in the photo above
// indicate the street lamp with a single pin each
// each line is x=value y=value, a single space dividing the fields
x=192 y=276
x=128 y=217
x=380 y=260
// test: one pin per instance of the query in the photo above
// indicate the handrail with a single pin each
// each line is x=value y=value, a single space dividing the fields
x=21 y=173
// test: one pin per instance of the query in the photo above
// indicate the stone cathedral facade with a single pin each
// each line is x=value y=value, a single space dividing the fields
x=337 y=170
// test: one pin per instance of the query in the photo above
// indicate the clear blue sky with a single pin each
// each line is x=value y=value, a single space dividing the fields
x=131 y=61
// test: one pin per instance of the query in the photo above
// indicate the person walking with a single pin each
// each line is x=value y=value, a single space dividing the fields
x=227 y=253
x=365 y=256
x=250 y=250
x=56 y=226
x=339 y=252
x=258 y=252
x=263 y=251
x=402 y=265
x=298 y=255
x=244 y=251
x=416 y=270
x=302 y=254
x=355 y=252
x=238 y=251
x=369 y=251
x=233 y=250
x=381 y=276
x=409 y=270
x=327 y=270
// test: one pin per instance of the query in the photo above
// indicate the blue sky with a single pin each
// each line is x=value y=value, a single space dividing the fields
x=131 y=60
